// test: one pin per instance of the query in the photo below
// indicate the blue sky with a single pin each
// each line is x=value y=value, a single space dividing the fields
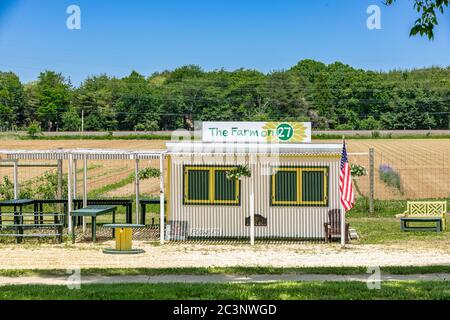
x=119 y=36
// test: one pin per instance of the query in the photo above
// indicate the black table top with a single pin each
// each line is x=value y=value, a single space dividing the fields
x=92 y=211
x=123 y=225
x=16 y=202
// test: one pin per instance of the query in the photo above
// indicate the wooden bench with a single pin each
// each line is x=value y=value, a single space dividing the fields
x=424 y=212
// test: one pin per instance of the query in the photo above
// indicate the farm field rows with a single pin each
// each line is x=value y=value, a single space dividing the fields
x=423 y=165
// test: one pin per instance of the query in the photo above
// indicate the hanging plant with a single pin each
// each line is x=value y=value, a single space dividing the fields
x=238 y=172
x=148 y=173
x=357 y=171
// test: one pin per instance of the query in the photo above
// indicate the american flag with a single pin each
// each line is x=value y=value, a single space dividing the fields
x=345 y=182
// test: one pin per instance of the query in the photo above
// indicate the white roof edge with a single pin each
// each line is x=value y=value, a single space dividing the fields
x=80 y=151
x=292 y=145
x=219 y=147
x=91 y=154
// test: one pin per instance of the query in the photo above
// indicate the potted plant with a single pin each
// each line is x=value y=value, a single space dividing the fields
x=238 y=172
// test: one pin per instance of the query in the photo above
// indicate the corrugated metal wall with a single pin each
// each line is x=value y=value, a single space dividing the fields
x=228 y=221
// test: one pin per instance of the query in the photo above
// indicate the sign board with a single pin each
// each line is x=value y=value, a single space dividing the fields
x=268 y=132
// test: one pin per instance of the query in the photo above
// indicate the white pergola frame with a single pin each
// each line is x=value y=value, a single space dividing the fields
x=72 y=155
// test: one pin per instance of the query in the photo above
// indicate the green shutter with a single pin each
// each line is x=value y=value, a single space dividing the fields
x=286 y=186
x=313 y=186
x=198 y=185
x=224 y=188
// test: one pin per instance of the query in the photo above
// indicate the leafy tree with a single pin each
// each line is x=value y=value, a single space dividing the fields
x=95 y=97
x=369 y=124
x=53 y=99
x=71 y=120
x=11 y=99
x=136 y=102
x=427 y=9
x=331 y=96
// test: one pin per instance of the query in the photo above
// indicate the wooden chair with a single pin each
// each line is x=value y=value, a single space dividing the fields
x=333 y=226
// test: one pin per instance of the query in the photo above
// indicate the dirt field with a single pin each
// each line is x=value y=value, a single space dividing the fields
x=223 y=255
x=423 y=165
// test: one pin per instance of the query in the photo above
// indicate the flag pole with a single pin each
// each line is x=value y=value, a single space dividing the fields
x=342 y=226
x=342 y=214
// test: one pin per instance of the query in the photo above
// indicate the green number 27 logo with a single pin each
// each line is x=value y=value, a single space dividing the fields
x=284 y=131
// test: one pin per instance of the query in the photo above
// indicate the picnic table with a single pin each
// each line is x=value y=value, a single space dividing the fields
x=143 y=203
x=124 y=236
x=20 y=223
x=15 y=203
x=92 y=211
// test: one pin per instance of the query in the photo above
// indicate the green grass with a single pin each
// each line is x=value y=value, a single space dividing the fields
x=99 y=137
x=385 y=208
x=111 y=187
x=247 y=291
x=321 y=136
x=386 y=230
x=383 y=228
x=227 y=270
x=382 y=208
x=357 y=136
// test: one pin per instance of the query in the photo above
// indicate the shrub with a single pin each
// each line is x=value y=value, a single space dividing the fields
x=7 y=190
x=148 y=173
x=344 y=126
x=34 y=129
x=148 y=125
x=238 y=172
x=389 y=176
x=357 y=171
x=369 y=124
x=46 y=186
x=375 y=134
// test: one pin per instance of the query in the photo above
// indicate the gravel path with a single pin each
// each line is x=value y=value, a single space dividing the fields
x=84 y=255
x=261 y=278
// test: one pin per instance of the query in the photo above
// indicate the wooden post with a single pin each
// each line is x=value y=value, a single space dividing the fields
x=75 y=182
x=60 y=179
x=84 y=189
x=59 y=186
x=371 y=180
x=252 y=203
x=342 y=213
x=161 y=199
x=69 y=194
x=343 y=235
x=16 y=179
x=136 y=189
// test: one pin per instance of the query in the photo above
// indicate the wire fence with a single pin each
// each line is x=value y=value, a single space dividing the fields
x=401 y=171
x=404 y=175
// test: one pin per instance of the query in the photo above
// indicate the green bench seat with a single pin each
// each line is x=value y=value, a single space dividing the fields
x=24 y=225
x=32 y=235
x=19 y=222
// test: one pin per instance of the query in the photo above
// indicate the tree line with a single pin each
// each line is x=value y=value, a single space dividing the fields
x=334 y=96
